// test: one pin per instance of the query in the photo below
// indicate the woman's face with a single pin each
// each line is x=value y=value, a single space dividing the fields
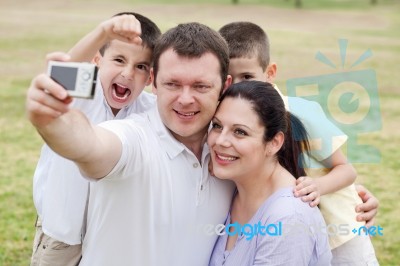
x=236 y=140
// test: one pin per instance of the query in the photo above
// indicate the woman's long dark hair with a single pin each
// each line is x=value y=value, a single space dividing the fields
x=270 y=108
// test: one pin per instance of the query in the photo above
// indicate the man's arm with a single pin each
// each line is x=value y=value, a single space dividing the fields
x=124 y=28
x=68 y=132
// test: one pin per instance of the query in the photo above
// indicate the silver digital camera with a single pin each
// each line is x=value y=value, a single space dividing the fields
x=79 y=79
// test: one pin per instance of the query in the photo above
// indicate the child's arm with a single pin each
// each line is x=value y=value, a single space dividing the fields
x=325 y=153
x=124 y=28
x=310 y=190
x=340 y=175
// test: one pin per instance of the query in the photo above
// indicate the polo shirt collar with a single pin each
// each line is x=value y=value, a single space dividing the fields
x=168 y=143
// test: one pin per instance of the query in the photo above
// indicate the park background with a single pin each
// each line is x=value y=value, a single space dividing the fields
x=30 y=29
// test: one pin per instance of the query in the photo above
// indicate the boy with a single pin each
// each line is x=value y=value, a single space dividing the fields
x=249 y=60
x=60 y=193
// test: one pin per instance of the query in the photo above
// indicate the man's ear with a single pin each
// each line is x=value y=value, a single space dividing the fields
x=97 y=58
x=149 y=79
x=228 y=83
x=153 y=81
x=270 y=72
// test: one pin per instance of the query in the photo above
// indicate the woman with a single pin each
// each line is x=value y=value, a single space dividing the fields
x=253 y=143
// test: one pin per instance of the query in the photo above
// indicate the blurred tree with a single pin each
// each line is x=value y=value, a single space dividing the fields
x=297 y=3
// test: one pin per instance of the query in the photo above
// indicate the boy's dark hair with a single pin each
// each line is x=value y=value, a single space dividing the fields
x=193 y=40
x=271 y=112
x=246 y=39
x=150 y=32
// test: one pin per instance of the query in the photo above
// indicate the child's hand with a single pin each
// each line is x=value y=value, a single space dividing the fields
x=125 y=28
x=369 y=207
x=307 y=189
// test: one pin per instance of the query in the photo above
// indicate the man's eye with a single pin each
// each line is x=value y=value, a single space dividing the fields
x=143 y=67
x=201 y=87
x=170 y=85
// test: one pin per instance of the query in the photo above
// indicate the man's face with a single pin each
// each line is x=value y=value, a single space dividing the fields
x=125 y=71
x=187 y=93
x=244 y=68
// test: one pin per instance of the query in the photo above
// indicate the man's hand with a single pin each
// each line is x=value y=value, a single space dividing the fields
x=46 y=100
x=369 y=207
x=307 y=189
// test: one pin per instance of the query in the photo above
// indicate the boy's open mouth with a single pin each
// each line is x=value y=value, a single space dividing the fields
x=120 y=92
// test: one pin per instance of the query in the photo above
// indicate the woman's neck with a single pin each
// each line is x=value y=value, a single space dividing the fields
x=253 y=191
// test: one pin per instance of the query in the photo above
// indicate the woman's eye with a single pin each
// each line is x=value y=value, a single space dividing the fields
x=240 y=132
x=215 y=125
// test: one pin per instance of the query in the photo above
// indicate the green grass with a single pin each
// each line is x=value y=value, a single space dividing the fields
x=18 y=155
x=30 y=29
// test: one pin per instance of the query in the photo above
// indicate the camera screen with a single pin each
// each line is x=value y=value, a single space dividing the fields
x=66 y=76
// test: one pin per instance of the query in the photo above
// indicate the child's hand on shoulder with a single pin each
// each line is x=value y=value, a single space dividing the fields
x=307 y=188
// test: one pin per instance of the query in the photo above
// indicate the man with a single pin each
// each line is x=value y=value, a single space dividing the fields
x=153 y=168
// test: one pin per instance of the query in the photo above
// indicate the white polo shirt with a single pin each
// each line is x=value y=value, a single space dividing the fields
x=155 y=206
x=59 y=190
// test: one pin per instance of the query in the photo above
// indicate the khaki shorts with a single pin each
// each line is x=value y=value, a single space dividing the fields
x=357 y=251
x=50 y=252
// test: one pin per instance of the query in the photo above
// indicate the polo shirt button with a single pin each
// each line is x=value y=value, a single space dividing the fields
x=195 y=165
